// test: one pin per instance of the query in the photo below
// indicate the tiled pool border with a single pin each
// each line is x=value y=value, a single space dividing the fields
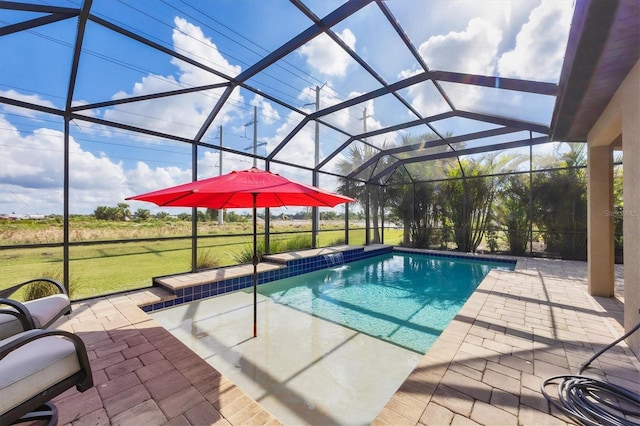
x=463 y=256
x=295 y=267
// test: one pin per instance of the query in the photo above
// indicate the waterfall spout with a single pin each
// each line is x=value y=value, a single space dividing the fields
x=333 y=259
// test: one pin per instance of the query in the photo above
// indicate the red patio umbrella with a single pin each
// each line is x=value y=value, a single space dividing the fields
x=250 y=188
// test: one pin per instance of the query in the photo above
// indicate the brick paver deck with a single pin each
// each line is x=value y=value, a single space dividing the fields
x=486 y=368
x=143 y=375
x=517 y=329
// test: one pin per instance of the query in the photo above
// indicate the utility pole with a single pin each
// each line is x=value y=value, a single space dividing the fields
x=255 y=136
x=364 y=121
x=315 y=211
x=221 y=211
x=367 y=227
x=255 y=164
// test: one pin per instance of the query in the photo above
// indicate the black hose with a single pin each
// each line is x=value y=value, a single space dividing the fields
x=593 y=402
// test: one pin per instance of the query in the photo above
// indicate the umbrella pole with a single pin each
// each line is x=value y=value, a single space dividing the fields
x=255 y=268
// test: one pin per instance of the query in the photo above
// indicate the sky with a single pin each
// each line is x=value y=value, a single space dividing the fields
x=515 y=39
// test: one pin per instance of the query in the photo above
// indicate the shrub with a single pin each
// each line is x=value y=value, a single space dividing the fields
x=206 y=259
x=299 y=242
x=338 y=242
x=245 y=255
x=41 y=289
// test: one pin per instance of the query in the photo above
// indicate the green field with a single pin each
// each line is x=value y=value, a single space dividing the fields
x=108 y=267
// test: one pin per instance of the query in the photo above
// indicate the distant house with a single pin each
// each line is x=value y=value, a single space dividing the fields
x=14 y=216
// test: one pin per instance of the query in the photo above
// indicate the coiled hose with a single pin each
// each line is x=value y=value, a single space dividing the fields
x=593 y=402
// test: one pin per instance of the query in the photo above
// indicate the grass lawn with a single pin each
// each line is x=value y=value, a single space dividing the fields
x=111 y=267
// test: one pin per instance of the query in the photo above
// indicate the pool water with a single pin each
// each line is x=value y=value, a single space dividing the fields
x=404 y=299
x=333 y=346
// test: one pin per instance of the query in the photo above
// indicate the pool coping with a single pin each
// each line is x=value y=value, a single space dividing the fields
x=190 y=286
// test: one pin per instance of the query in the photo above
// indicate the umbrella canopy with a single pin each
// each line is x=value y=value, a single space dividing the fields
x=250 y=188
x=236 y=189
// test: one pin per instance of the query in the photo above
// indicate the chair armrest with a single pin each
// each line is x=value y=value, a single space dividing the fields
x=12 y=343
x=21 y=312
x=9 y=291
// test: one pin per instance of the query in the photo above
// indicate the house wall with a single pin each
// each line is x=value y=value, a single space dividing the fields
x=620 y=117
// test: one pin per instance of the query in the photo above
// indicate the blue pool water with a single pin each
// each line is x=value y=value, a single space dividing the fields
x=404 y=299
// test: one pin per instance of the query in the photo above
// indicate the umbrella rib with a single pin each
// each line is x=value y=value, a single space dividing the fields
x=223 y=205
x=324 y=204
x=168 y=203
x=282 y=203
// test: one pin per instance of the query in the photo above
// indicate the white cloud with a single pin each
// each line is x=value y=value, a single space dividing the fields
x=540 y=47
x=299 y=150
x=145 y=179
x=180 y=115
x=32 y=99
x=470 y=51
x=189 y=40
x=268 y=114
x=33 y=170
x=326 y=56
x=32 y=174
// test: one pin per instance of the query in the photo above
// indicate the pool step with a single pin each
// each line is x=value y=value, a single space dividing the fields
x=175 y=282
x=188 y=287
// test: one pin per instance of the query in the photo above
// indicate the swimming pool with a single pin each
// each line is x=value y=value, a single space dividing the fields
x=305 y=369
x=402 y=298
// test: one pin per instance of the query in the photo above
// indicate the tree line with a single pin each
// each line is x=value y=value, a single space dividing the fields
x=464 y=202
x=122 y=212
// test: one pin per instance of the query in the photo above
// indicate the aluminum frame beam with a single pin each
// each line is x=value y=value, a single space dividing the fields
x=469 y=151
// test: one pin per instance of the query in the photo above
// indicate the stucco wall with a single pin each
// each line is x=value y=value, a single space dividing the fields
x=630 y=90
x=622 y=116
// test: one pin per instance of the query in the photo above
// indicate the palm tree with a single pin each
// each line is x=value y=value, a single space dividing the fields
x=561 y=205
x=357 y=155
x=123 y=212
x=468 y=196
x=513 y=213
x=417 y=203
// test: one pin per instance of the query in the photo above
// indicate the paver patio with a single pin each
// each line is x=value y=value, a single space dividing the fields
x=486 y=368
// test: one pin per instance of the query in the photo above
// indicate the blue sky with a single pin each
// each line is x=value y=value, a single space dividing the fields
x=516 y=39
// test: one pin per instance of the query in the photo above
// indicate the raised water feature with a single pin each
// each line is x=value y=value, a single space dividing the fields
x=333 y=259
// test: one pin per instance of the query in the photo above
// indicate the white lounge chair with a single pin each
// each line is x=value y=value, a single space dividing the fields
x=35 y=367
x=16 y=316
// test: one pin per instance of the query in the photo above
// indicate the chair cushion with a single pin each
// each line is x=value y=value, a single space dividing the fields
x=9 y=325
x=46 y=309
x=34 y=368
x=43 y=310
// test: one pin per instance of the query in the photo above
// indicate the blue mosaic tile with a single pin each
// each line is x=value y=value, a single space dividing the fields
x=459 y=256
x=147 y=308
